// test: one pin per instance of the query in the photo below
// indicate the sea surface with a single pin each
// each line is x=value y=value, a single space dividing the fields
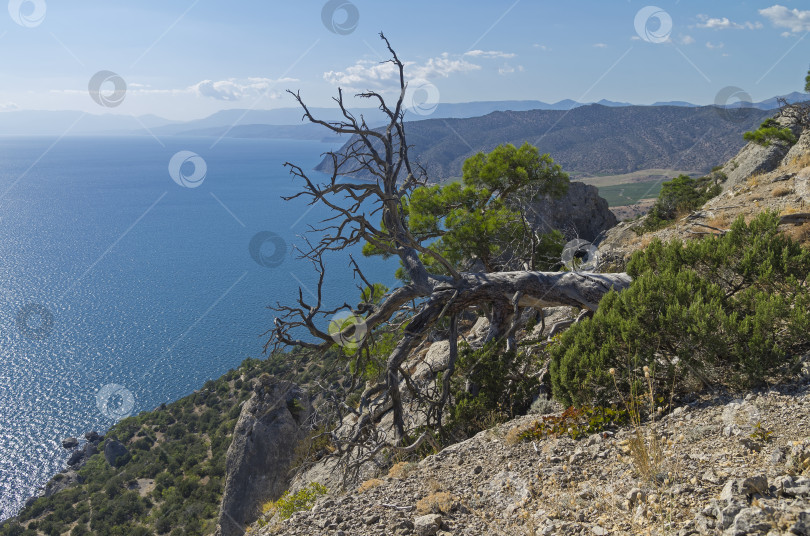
x=121 y=289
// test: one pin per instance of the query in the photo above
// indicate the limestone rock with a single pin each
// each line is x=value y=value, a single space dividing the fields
x=436 y=359
x=580 y=213
x=753 y=158
x=114 y=451
x=427 y=525
x=800 y=148
x=260 y=454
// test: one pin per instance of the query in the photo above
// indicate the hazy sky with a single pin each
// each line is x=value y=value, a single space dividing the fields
x=184 y=59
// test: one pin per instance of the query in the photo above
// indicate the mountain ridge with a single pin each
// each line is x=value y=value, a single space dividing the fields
x=57 y=123
x=594 y=139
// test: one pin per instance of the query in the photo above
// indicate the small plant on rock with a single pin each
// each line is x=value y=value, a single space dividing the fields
x=761 y=434
x=304 y=499
x=770 y=132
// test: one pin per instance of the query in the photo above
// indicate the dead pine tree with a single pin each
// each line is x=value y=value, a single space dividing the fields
x=371 y=212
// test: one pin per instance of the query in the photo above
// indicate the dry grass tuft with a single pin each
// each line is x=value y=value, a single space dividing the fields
x=369 y=484
x=646 y=240
x=789 y=210
x=401 y=470
x=800 y=162
x=780 y=191
x=647 y=454
x=754 y=180
x=513 y=435
x=721 y=221
x=436 y=503
x=799 y=233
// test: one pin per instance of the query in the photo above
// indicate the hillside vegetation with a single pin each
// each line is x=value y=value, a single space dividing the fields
x=171 y=480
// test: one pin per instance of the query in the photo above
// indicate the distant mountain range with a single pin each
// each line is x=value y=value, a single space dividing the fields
x=239 y=123
x=588 y=140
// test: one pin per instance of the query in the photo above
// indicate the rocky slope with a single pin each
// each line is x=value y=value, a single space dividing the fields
x=719 y=473
x=759 y=178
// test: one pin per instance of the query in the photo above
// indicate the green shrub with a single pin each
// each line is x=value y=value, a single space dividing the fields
x=720 y=311
x=304 y=499
x=576 y=423
x=485 y=390
x=769 y=132
x=679 y=195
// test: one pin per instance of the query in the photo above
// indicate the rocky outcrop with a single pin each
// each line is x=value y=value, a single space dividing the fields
x=799 y=149
x=754 y=159
x=580 y=213
x=263 y=447
x=751 y=160
x=115 y=452
x=70 y=475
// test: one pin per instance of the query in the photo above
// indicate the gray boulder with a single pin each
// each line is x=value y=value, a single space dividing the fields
x=70 y=443
x=580 y=213
x=114 y=451
x=263 y=447
x=754 y=159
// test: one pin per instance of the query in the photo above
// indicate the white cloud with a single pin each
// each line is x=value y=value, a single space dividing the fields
x=372 y=75
x=725 y=24
x=8 y=107
x=599 y=45
x=489 y=54
x=442 y=66
x=544 y=48
x=686 y=39
x=714 y=46
x=794 y=20
x=234 y=89
x=508 y=69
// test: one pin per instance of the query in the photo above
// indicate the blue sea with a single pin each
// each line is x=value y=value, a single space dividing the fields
x=122 y=289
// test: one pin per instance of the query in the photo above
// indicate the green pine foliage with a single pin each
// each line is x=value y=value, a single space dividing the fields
x=769 y=132
x=807 y=82
x=725 y=310
x=490 y=385
x=681 y=195
x=479 y=217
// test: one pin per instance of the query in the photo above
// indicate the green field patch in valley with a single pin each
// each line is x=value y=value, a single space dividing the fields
x=618 y=195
